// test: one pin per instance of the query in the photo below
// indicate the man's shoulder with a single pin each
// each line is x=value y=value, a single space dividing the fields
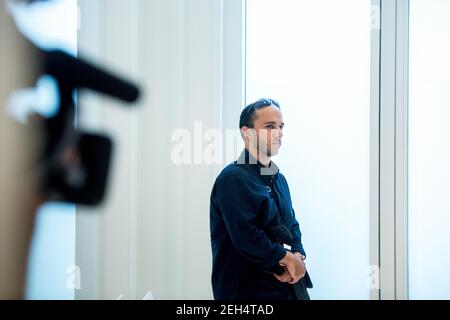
x=282 y=177
x=233 y=171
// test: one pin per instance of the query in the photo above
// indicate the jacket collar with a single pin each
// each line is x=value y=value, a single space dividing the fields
x=269 y=174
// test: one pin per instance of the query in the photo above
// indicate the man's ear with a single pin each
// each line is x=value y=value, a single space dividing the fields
x=245 y=132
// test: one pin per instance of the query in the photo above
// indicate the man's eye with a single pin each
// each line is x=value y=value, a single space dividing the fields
x=269 y=126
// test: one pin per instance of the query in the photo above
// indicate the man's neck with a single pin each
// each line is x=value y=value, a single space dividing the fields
x=263 y=159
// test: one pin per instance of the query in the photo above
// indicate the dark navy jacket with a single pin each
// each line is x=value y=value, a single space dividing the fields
x=241 y=212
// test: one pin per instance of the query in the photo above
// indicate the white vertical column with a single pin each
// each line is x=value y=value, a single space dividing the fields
x=393 y=148
x=374 y=281
x=107 y=236
x=401 y=150
x=233 y=61
x=387 y=148
x=86 y=237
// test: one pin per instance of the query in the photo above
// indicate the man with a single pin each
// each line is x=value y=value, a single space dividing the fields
x=250 y=208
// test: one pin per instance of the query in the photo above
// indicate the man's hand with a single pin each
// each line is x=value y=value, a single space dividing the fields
x=299 y=256
x=284 y=277
x=294 y=266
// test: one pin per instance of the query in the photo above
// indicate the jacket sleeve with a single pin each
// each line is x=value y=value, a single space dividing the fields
x=297 y=245
x=239 y=208
x=297 y=235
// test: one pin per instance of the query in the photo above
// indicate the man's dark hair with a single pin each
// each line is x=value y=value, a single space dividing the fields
x=248 y=114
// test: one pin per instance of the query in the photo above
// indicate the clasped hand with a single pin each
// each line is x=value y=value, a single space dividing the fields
x=294 y=268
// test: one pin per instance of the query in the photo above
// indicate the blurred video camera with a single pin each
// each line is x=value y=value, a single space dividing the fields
x=74 y=165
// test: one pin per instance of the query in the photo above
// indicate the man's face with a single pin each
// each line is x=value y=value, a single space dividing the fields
x=267 y=131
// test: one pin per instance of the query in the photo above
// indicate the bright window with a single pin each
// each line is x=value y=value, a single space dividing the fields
x=314 y=58
x=429 y=155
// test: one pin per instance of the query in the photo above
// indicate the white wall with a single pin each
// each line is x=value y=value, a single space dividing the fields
x=152 y=233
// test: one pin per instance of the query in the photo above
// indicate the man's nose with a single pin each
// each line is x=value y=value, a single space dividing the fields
x=278 y=133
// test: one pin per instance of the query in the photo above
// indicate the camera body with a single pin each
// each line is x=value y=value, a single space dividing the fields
x=75 y=165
